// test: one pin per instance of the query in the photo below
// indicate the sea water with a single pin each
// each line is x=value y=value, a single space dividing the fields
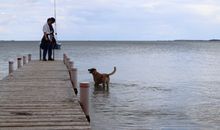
x=162 y=85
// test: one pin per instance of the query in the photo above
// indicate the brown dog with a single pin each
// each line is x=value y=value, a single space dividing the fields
x=99 y=78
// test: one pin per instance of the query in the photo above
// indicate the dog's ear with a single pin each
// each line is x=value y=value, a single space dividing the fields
x=91 y=70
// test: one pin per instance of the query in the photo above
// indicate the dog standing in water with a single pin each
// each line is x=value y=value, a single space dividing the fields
x=99 y=78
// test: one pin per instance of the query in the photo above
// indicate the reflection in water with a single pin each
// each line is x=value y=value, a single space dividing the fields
x=100 y=90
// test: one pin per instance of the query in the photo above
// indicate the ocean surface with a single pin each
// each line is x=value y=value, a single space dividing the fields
x=170 y=85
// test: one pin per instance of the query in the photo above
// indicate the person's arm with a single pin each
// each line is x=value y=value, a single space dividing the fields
x=46 y=36
x=45 y=30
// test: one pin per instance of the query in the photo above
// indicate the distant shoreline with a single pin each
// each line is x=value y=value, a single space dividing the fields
x=179 y=40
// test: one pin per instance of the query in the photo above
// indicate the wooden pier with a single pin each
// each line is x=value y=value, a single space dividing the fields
x=40 y=96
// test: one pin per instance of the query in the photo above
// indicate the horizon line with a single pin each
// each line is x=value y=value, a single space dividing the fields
x=117 y=40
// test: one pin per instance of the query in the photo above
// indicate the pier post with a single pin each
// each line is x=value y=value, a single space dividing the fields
x=67 y=63
x=84 y=98
x=19 y=62
x=10 y=67
x=71 y=65
x=24 y=60
x=73 y=78
x=29 y=57
x=64 y=58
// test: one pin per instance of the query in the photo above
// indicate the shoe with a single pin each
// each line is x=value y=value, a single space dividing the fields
x=44 y=59
x=51 y=59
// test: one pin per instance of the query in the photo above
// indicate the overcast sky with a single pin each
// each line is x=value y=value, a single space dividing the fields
x=112 y=19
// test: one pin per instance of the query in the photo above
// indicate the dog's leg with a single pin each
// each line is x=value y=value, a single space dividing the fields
x=96 y=85
x=107 y=86
x=107 y=83
x=103 y=84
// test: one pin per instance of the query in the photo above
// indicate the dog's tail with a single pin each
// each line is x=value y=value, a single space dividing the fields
x=112 y=72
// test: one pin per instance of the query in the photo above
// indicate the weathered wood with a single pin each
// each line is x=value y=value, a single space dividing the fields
x=55 y=123
x=39 y=96
x=49 y=128
x=43 y=117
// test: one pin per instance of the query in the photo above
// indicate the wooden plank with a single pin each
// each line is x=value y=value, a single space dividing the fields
x=39 y=110
x=31 y=120
x=40 y=96
x=41 y=113
x=39 y=107
x=40 y=104
x=48 y=128
x=55 y=123
x=43 y=116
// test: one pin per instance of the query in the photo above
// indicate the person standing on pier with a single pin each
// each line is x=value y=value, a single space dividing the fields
x=48 y=40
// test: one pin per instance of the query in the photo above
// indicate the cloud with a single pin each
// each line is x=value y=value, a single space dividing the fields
x=3 y=30
x=111 y=19
x=210 y=12
x=205 y=10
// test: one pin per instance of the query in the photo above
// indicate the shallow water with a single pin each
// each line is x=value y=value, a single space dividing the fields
x=158 y=85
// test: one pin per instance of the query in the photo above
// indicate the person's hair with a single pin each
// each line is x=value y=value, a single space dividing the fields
x=52 y=19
